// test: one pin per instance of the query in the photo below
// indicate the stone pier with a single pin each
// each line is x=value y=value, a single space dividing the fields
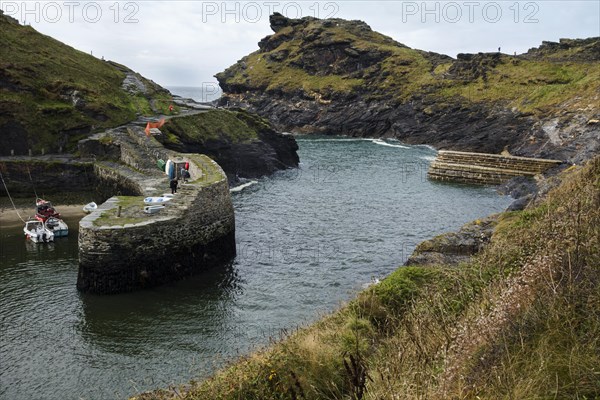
x=485 y=169
x=121 y=248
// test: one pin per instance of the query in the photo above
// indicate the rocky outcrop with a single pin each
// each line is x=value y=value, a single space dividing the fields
x=244 y=145
x=340 y=77
x=455 y=247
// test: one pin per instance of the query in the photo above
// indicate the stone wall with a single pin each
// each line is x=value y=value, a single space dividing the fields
x=194 y=232
x=49 y=174
x=116 y=259
x=485 y=169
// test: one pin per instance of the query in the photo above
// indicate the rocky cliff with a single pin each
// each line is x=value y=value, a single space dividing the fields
x=243 y=144
x=52 y=96
x=340 y=77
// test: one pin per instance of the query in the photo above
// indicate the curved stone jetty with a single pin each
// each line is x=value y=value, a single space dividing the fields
x=483 y=168
x=122 y=248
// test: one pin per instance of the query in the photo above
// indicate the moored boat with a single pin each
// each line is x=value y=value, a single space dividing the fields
x=37 y=232
x=57 y=226
x=90 y=207
x=44 y=210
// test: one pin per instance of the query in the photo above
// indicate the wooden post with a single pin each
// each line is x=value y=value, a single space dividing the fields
x=119 y=211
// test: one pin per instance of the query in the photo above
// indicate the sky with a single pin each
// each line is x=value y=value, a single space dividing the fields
x=185 y=43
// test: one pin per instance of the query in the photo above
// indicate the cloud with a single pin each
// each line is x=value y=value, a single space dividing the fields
x=184 y=43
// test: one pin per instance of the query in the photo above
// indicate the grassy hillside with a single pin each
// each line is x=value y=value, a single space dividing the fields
x=326 y=59
x=51 y=95
x=520 y=320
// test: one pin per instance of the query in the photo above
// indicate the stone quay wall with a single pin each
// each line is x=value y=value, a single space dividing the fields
x=134 y=250
x=485 y=169
x=52 y=173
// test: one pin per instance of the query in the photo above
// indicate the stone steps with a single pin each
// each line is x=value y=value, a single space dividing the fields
x=484 y=169
x=497 y=161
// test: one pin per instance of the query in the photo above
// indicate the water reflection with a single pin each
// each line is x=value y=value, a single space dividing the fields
x=126 y=323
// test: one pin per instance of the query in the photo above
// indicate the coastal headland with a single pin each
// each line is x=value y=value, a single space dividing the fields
x=505 y=307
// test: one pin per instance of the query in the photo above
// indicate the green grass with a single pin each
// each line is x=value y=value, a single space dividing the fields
x=41 y=74
x=402 y=74
x=132 y=212
x=233 y=126
x=415 y=334
x=531 y=86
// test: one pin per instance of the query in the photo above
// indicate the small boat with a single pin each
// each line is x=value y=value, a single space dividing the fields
x=57 y=226
x=153 y=209
x=44 y=210
x=168 y=195
x=157 y=200
x=90 y=207
x=37 y=232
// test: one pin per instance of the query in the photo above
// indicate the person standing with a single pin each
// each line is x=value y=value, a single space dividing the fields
x=173 y=185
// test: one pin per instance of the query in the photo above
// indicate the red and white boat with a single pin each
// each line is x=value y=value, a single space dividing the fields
x=47 y=214
x=44 y=210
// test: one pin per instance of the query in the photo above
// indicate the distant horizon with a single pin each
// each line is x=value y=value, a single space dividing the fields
x=185 y=43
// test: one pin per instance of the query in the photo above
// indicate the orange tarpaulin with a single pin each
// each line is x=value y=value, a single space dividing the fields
x=151 y=125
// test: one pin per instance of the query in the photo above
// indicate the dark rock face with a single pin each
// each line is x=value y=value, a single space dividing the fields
x=452 y=127
x=454 y=247
x=268 y=152
x=350 y=50
x=15 y=137
x=271 y=153
x=49 y=174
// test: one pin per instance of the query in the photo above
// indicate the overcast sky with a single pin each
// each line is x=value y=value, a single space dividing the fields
x=184 y=43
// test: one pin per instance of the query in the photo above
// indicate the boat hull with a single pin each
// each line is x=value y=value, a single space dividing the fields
x=58 y=227
x=37 y=232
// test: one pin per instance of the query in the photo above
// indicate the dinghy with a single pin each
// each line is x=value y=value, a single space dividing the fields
x=153 y=209
x=90 y=207
x=157 y=200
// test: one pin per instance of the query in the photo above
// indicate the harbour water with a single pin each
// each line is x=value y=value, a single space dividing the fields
x=308 y=239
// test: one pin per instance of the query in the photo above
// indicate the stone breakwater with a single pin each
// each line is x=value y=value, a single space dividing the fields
x=121 y=248
x=486 y=169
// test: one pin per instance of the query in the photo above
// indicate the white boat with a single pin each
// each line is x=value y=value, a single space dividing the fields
x=57 y=226
x=90 y=207
x=153 y=209
x=37 y=232
x=168 y=195
x=157 y=200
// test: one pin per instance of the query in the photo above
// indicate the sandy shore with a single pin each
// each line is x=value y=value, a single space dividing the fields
x=9 y=218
